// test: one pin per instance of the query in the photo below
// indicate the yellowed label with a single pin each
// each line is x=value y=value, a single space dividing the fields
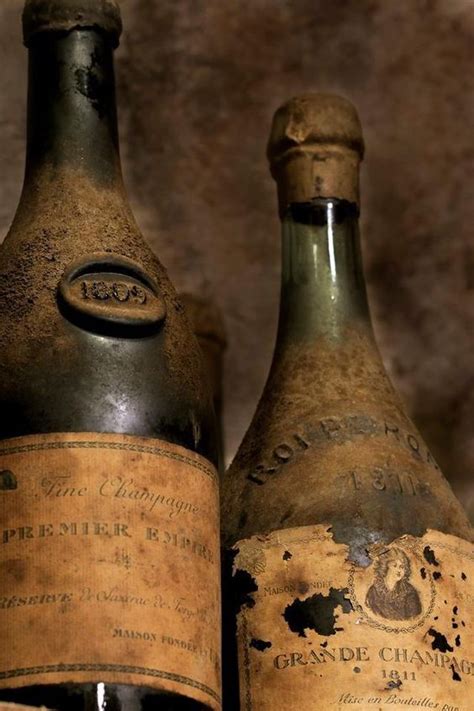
x=109 y=564
x=318 y=633
x=17 y=707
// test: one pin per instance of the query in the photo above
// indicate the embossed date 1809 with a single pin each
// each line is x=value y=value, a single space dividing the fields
x=117 y=290
x=111 y=294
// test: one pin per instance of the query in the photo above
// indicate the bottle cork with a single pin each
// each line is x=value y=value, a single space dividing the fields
x=315 y=149
x=66 y=15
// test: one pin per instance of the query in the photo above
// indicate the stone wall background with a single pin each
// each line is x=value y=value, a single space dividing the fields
x=198 y=82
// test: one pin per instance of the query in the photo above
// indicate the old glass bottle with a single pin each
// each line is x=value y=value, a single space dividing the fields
x=349 y=553
x=109 y=586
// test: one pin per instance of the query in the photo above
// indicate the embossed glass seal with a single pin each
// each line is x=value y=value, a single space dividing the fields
x=109 y=292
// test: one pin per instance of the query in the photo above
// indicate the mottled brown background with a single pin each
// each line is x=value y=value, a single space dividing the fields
x=198 y=83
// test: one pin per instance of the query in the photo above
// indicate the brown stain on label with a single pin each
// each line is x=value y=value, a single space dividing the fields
x=8 y=480
x=15 y=569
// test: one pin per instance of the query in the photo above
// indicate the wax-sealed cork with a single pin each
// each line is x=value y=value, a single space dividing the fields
x=66 y=15
x=315 y=148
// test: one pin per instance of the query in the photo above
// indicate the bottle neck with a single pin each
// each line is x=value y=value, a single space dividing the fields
x=323 y=290
x=72 y=121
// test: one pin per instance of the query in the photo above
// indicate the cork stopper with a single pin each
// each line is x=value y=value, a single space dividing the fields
x=315 y=148
x=65 y=15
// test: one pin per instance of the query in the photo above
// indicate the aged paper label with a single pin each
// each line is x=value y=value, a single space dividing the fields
x=109 y=564
x=318 y=633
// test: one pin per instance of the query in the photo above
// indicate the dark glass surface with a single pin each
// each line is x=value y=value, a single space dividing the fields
x=75 y=378
x=91 y=697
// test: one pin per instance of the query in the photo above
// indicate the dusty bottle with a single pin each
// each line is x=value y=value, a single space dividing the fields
x=351 y=564
x=109 y=586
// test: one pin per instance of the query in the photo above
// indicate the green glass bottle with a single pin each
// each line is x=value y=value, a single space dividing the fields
x=109 y=555
x=350 y=571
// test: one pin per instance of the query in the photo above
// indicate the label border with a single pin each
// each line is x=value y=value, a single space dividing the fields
x=119 y=668
x=127 y=446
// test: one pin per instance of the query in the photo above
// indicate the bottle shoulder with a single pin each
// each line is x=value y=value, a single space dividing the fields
x=331 y=444
x=92 y=361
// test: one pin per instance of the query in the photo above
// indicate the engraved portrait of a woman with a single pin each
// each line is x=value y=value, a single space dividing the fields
x=391 y=595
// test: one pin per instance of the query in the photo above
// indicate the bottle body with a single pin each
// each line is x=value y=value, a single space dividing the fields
x=109 y=487
x=331 y=487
